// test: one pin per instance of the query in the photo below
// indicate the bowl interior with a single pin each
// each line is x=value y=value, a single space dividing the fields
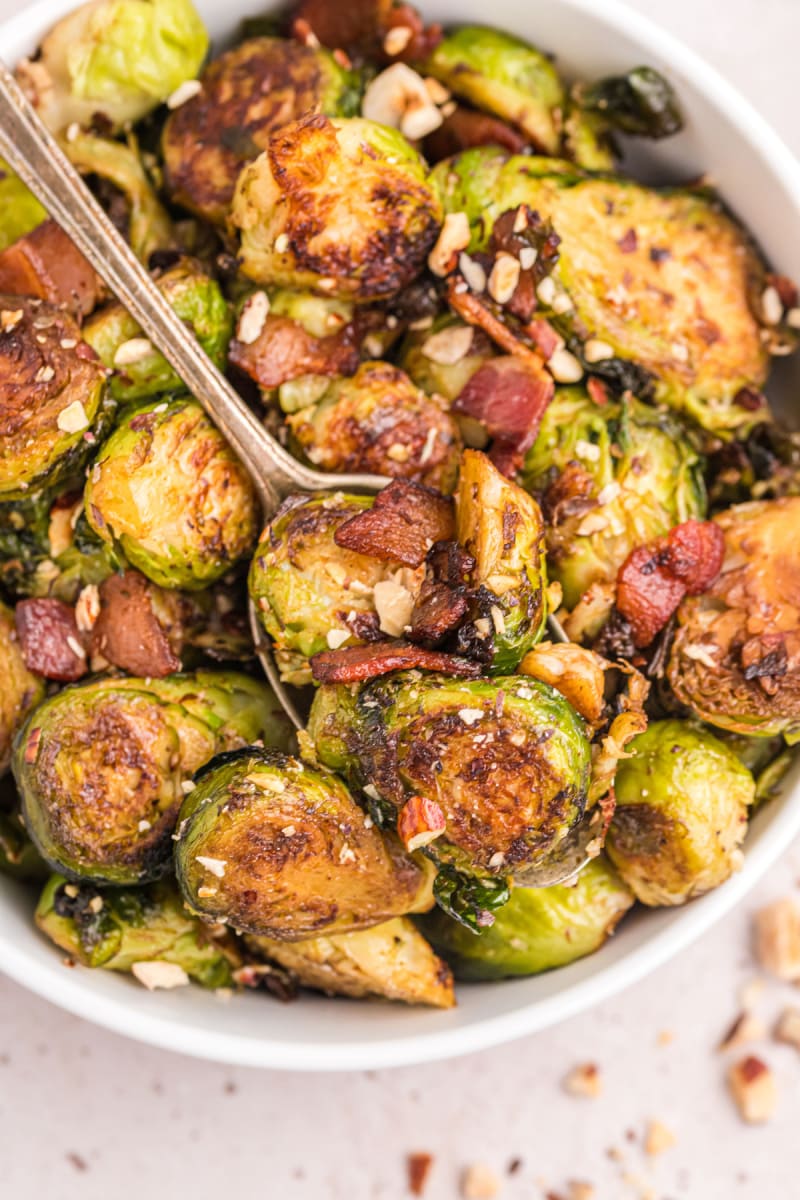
x=760 y=181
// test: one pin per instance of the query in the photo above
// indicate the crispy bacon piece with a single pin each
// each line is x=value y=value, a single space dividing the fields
x=127 y=632
x=402 y=525
x=47 y=265
x=438 y=611
x=50 y=641
x=466 y=128
x=509 y=397
x=655 y=578
x=354 y=664
x=285 y=350
x=467 y=306
x=360 y=27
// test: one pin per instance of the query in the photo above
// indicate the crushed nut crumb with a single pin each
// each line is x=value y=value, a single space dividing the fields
x=584 y=1080
x=752 y=1086
x=777 y=933
x=478 y=1182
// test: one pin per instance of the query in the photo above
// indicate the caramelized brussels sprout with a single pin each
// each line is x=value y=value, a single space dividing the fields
x=505 y=760
x=121 y=928
x=735 y=660
x=20 y=211
x=280 y=848
x=538 y=929
x=610 y=478
x=246 y=94
x=501 y=527
x=505 y=76
x=21 y=690
x=117 y=59
x=169 y=492
x=310 y=594
x=681 y=815
x=100 y=766
x=53 y=398
x=139 y=369
x=343 y=207
x=380 y=423
x=391 y=960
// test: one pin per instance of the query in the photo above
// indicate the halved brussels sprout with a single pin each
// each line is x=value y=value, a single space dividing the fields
x=310 y=594
x=735 y=660
x=392 y=960
x=168 y=490
x=681 y=814
x=505 y=76
x=149 y=227
x=20 y=211
x=538 y=929
x=342 y=207
x=21 y=691
x=501 y=527
x=114 y=58
x=100 y=767
x=279 y=848
x=139 y=369
x=610 y=478
x=506 y=761
x=245 y=95
x=53 y=398
x=119 y=928
x=380 y=423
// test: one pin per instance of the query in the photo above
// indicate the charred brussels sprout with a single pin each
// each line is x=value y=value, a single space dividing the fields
x=391 y=960
x=170 y=493
x=505 y=760
x=280 y=848
x=380 y=423
x=504 y=76
x=681 y=815
x=501 y=527
x=21 y=691
x=538 y=929
x=139 y=369
x=246 y=94
x=310 y=594
x=100 y=766
x=21 y=211
x=123 y=928
x=735 y=660
x=609 y=478
x=53 y=397
x=114 y=58
x=343 y=207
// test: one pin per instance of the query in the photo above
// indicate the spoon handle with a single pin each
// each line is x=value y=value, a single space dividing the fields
x=34 y=154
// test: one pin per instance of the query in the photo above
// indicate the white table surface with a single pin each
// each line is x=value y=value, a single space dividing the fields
x=87 y=1115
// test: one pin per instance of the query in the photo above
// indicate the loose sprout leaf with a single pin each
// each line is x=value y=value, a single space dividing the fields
x=642 y=102
x=470 y=900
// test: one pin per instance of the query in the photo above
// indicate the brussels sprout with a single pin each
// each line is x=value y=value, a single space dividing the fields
x=735 y=660
x=310 y=594
x=539 y=928
x=53 y=398
x=505 y=76
x=392 y=960
x=343 y=207
x=280 y=848
x=506 y=761
x=169 y=492
x=641 y=103
x=380 y=423
x=501 y=527
x=121 y=928
x=246 y=94
x=196 y=298
x=114 y=58
x=423 y=362
x=100 y=766
x=149 y=226
x=662 y=282
x=21 y=691
x=20 y=211
x=681 y=814
x=611 y=478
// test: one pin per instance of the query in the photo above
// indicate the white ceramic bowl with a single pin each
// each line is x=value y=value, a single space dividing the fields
x=761 y=181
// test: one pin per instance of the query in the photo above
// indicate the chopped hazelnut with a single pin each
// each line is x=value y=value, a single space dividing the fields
x=658 y=1138
x=479 y=1183
x=419 y=1166
x=788 y=1027
x=159 y=974
x=584 y=1080
x=777 y=928
x=752 y=1086
x=420 y=822
x=578 y=1189
x=746 y=1028
x=454 y=237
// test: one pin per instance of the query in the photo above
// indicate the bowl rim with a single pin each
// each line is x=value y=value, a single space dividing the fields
x=74 y=992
